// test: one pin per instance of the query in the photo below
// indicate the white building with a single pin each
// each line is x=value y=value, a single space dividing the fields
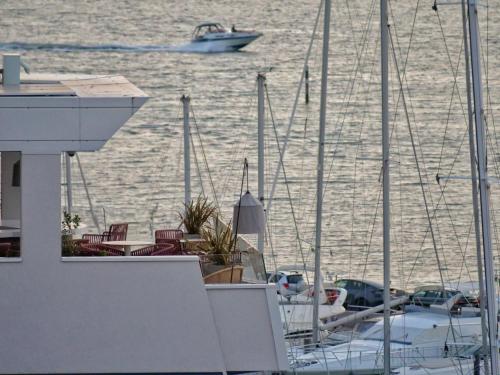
x=104 y=314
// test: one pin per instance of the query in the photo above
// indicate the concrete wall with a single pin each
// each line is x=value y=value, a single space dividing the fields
x=249 y=326
x=119 y=314
x=11 y=195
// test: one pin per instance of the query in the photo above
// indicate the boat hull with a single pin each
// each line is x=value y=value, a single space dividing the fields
x=225 y=43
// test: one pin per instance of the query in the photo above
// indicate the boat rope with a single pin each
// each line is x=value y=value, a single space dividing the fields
x=292 y=116
x=203 y=153
x=454 y=72
x=197 y=164
x=156 y=177
x=238 y=150
x=371 y=232
x=292 y=209
x=401 y=80
x=420 y=177
x=89 y=200
x=455 y=91
x=417 y=163
x=350 y=91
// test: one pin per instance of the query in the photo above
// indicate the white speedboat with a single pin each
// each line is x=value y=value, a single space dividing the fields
x=216 y=38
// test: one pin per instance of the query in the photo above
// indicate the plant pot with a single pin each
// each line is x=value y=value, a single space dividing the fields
x=225 y=275
x=67 y=244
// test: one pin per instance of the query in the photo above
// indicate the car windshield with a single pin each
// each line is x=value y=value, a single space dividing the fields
x=294 y=279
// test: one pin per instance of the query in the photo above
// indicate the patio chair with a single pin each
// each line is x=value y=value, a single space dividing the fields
x=167 y=249
x=116 y=232
x=98 y=249
x=159 y=249
x=169 y=236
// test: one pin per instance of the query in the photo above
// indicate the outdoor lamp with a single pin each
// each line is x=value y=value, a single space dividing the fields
x=248 y=215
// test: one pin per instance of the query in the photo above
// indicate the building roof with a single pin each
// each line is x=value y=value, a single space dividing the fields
x=61 y=112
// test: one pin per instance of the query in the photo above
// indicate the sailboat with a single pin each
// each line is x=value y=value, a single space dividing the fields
x=427 y=342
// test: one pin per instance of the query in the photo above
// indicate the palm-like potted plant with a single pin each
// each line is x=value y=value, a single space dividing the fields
x=221 y=262
x=218 y=242
x=195 y=215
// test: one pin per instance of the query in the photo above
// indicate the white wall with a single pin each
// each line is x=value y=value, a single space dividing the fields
x=11 y=195
x=249 y=326
x=120 y=314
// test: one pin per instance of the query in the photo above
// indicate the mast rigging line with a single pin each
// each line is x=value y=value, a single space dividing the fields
x=349 y=92
x=212 y=186
x=420 y=176
x=455 y=81
x=294 y=218
x=401 y=95
x=292 y=116
x=91 y=207
x=158 y=172
x=236 y=147
x=347 y=98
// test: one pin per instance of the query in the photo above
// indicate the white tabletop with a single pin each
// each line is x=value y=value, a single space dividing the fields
x=127 y=245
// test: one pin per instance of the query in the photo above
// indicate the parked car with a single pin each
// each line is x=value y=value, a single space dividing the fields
x=364 y=293
x=287 y=282
x=435 y=295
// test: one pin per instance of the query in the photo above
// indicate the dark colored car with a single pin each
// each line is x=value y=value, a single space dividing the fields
x=436 y=295
x=364 y=293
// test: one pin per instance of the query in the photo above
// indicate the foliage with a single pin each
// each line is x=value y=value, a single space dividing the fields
x=70 y=222
x=196 y=214
x=68 y=245
x=218 y=242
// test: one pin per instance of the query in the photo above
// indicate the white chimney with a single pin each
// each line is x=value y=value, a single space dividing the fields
x=11 y=69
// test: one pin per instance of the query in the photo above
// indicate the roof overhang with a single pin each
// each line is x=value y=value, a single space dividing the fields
x=55 y=113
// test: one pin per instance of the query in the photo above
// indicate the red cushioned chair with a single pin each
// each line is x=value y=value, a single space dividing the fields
x=167 y=249
x=116 y=232
x=169 y=236
x=98 y=249
x=159 y=249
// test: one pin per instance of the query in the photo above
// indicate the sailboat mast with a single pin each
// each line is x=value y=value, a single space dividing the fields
x=187 y=157
x=384 y=61
x=261 y=79
x=483 y=186
x=475 y=193
x=69 y=183
x=319 y=182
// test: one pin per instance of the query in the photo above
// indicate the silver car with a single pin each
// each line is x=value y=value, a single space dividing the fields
x=287 y=282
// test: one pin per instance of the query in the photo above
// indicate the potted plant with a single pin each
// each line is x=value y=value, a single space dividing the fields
x=69 y=224
x=195 y=215
x=218 y=245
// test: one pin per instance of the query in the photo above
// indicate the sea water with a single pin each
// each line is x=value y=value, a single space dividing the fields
x=137 y=176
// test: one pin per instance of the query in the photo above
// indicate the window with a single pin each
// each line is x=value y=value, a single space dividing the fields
x=10 y=212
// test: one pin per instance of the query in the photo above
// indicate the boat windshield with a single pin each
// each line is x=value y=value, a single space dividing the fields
x=209 y=28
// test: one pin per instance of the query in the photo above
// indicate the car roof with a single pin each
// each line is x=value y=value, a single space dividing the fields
x=368 y=282
x=434 y=287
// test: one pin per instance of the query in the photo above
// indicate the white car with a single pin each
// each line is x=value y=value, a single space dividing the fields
x=288 y=282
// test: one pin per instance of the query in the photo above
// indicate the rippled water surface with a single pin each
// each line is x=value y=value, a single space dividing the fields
x=137 y=177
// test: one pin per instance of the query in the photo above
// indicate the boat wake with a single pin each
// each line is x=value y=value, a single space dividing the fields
x=66 y=47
